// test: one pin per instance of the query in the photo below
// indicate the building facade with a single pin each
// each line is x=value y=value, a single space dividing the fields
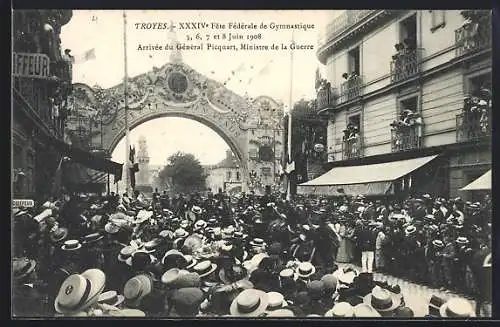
x=42 y=81
x=410 y=83
x=225 y=175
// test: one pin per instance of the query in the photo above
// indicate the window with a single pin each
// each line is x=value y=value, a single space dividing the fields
x=237 y=175
x=353 y=61
x=408 y=104
x=18 y=156
x=30 y=165
x=355 y=121
x=476 y=83
x=265 y=171
x=437 y=19
x=253 y=153
x=228 y=175
x=408 y=32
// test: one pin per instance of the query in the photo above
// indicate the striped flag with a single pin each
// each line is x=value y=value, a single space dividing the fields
x=86 y=56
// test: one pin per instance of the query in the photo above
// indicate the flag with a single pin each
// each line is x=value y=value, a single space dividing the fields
x=86 y=56
x=56 y=187
x=290 y=167
x=132 y=178
x=131 y=155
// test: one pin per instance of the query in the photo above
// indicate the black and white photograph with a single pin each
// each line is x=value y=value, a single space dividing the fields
x=203 y=164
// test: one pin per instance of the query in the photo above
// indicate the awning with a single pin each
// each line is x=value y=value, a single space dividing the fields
x=482 y=183
x=375 y=179
x=89 y=159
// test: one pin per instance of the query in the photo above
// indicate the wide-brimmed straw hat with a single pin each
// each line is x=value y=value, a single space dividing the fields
x=111 y=228
x=257 y=242
x=174 y=258
x=170 y=276
x=438 y=243
x=126 y=253
x=410 y=230
x=204 y=268
x=288 y=273
x=22 y=267
x=200 y=224
x=196 y=210
x=462 y=240
x=136 y=289
x=190 y=261
x=151 y=246
x=111 y=298
x=382 y=300
x=180 y=233
x=249 y=303
x=59 y=234
x=276 y=301
x=456 y=308
x=364 y=310
x=305 y=270
x=341 y=310
x=79 y=292
x=71 y=245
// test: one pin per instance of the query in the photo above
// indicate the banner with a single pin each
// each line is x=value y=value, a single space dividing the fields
x=34 y=65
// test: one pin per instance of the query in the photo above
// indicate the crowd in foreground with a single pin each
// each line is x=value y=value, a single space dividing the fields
x=250 y=256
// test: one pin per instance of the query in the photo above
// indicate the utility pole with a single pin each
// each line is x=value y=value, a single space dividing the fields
x=125 y=87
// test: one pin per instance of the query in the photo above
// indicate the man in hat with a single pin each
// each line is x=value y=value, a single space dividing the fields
x=448 y=255
x=27 y=296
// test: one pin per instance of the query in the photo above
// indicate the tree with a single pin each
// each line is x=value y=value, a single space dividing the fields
x=184 y=173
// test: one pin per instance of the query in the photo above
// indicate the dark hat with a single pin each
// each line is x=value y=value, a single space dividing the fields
x=404 y=312
x=275 y=248
x=23 y=267
x=59 y=234
x=140 y=260
x=187 y=301
x=316 y=289
x=234 y=274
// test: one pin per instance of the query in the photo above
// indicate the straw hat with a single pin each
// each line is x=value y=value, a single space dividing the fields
x=438 y=243
x=382 y=300
x=58 y=234
x=200 y=224
x=275 y=301
x=281 y=313
x=410 y=230
x=126 y=253
x=364 y=310
x=111 y=228
x=456 y=308
x=180 y=233
x=92 y=238
x=136 y=289
x=249 y=303
x=190 y=261
x=71 y=245
x=150 y=246
x=170 y=276
x=288 y=273
x=127 y=313
x=305 y=269
x=111 y=298
x=196 y=210
x=79 y=292
x=341 y=310
x=205 y=268
x=22 y=267
x=257 y=242
x=175 y=258
x=462 y=240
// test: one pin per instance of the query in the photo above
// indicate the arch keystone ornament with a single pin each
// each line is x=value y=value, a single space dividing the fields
x=176 y=90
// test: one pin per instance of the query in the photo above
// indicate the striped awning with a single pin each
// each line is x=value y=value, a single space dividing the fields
x=98 y=177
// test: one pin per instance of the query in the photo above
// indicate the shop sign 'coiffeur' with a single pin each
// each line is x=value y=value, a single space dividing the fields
x=35 y=65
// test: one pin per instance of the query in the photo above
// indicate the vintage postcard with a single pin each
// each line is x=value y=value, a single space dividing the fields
x=263 y=163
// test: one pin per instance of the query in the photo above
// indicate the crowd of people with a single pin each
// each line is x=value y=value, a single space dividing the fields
x=212 y=255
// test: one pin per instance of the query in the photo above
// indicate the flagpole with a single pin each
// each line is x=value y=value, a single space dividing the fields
x=125 y=87
x=289 y=180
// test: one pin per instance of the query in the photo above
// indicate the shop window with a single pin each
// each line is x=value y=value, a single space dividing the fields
x=437 y=19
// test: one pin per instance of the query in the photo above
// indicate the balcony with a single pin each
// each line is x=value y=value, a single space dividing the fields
x=326 y=99
x=405 y=64
x=352 y=148
x=341 y=23
x=405 y=138
x=473 y=126
x=473 y=37
x=351 y=89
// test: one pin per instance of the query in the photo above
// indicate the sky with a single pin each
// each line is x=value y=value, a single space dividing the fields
x=102 y=30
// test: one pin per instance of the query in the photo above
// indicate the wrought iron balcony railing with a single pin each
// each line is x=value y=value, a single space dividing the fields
x=352 y=148
x=405 y=65
x=473 y=126
x=473 y=37
x=341 y=23
x=351 y=89
x=405 y=138
x=326 y=99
